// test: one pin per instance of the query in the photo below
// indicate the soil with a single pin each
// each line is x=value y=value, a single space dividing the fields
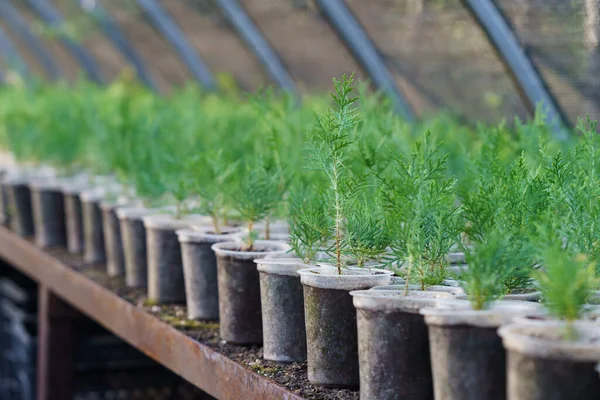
x=292 y=376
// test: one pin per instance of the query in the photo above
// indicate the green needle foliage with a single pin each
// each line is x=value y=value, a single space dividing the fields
x=327 y=144
x=566 y=283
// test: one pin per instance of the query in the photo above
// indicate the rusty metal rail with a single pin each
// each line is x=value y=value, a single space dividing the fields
x=204 y=367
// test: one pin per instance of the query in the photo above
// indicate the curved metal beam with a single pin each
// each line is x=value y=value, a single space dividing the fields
x=530 y=84
x=51 y=16
x=11 y=56
x=257 y=42
x=18 y=24
x=364 y=51
x=164 y=23
x=117 y=38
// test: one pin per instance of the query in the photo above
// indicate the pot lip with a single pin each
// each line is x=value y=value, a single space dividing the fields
x=119 y=202
x=132 y=212
x=395 y=300
x=527 y=338
x=50 y=184
x=92 y=194
x=166 y=221
x=354 y=279
x=280 y=266
x=223 y=249
x=453 y=290
x=534 y=295
x=459 y=312
x=203 y=234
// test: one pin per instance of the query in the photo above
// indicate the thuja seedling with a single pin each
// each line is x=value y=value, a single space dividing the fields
x=326 y=145
x=566 y=282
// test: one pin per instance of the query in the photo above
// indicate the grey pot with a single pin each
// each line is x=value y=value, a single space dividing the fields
x=330 y=318
x=239 y=290
x=282 y=301
x=113 y=242
x=48 y=208
x=19 y=209
x=4 y=215
x=74 y=216
x=133 y=236
x=467 y=357
x=93 y=229
x=200 y=270
x=393 y=345
x=165 y=266
x=543 y=366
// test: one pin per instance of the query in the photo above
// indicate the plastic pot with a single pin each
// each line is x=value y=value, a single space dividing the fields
x=165 y=266
x=200 y=270
x=282 y=300
x=393 y=346
x=93 y=229
x=4 y=215
x=467 y=357
x=330 y=317
x=74 y=216
x=19 y=207
x=115 y=256
x=133 y=236
x=48 y=208
x=239 y=289
x=542 y=365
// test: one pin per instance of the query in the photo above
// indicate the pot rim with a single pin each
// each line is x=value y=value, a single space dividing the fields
x=453 y=290
x=165 y=221
x=394 y=301
x=280 y=266
x=459 y=312
x=202 y=235
x=528 y=339
x=222 y=249
x=355 y=278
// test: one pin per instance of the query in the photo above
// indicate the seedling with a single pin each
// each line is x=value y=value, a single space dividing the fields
x=566 y=282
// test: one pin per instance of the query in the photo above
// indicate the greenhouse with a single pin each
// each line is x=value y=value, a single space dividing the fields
x=327 y=199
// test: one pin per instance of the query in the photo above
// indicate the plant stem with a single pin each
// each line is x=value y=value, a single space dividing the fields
x=250 y=238
x=338 y=219
x=215 y=222
x=267 y=228
x=177 y=210
x=410 y=262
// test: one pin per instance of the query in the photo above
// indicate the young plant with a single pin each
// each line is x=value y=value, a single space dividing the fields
x=488 y=268
x=566 y=282
x=255 y=196
x=326 y=146
x=420 y=202
x=309 y=222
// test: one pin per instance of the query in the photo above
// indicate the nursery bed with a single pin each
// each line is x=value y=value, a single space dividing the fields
x=191 y=349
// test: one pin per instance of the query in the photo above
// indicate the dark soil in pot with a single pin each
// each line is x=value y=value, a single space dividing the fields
x=282 y=300
x=239 y=290
x=133 y=236
x=115 y=257
x=467 y=357
x=93 y=229
x=330 y=317
x=49 y=215
x=393 y=345
x=200 y=270
x=73 y=218
x=165 y=266
x=542 y=365
x=19 y=208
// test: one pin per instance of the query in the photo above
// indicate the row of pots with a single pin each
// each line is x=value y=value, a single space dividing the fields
x=354 y=329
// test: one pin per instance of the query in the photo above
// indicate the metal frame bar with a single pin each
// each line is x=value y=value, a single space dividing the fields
x=198 y=363
x=258 y=44
x=18 y=24
x=52 y=16
x=119 y=40
x=353 y=35
x=10 y=54
x=530 y=84
x=164 y=23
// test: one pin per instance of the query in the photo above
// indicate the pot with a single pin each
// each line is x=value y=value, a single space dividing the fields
x=239 y=289
x=330 y=318
x=542 y=365
x=165 y=266
x=393 y=346
x=74 y=215
x=48 y=208
x=133 y=236
x=200 y=269
x=282 y=300
x=467 y=357
x=115 y=256
x=93 y=229
x=19 y=210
